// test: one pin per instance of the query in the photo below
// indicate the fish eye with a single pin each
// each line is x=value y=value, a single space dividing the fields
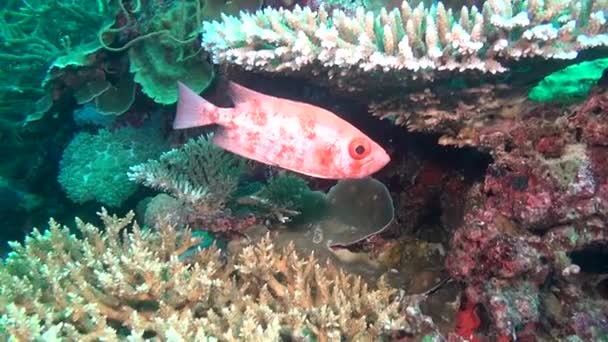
x=359 y=148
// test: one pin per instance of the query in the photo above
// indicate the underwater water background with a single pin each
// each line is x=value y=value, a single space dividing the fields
x=219 y=170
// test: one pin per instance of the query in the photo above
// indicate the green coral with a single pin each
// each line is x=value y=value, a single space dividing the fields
x=286 y=189
x=94 y=166
x=157 y=68
x=117 y=98
x=41 y=38
x=198 y=173
x=206 y=179
x=569 y=84
x=171 y=54
x=168 y=50
x=39 y=35
x=291 y=193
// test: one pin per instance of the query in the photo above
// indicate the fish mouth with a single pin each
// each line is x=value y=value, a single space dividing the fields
x=376 y=164
x=369 y=168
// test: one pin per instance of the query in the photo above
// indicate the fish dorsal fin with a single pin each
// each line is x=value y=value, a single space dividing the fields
x=240 y=94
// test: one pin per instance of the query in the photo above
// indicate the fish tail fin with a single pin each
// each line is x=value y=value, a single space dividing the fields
x=193 y=110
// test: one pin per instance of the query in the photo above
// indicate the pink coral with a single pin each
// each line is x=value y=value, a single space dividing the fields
x=545 y=196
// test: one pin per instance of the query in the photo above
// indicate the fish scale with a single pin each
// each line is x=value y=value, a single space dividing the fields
x=270 y=142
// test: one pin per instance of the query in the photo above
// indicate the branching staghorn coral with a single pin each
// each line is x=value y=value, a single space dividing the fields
x=199 y=173
x=127 y=282
x=202 y=182
x=421 y=42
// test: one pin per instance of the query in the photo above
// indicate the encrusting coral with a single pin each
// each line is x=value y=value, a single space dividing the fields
x=125 y=281
x=457 y=114
x=544 y=198
x=411 y=43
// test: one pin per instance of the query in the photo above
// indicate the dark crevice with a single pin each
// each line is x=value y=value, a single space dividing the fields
x=591 y=259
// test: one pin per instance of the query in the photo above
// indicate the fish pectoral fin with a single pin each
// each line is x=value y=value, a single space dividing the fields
x=240 y=94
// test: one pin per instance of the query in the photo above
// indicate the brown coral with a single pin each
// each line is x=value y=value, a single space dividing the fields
x=130 y=281
x=462 y=116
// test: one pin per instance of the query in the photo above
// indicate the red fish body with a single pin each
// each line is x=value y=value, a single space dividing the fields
x=292 y=135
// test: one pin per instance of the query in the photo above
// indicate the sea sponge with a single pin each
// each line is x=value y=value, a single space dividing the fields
x=569 y=84
x=94 y=166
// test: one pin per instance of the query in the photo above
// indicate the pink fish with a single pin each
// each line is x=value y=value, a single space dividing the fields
x=288 y=134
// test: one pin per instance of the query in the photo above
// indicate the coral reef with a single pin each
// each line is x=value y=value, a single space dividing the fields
x=355 y=210
x=408 y=46
x=200 y=178
x=514 y=89
x=97 y=51
x=473 y=114
x=206 y=192
x=161 y=38
x=460 y=115
x=544 y=197
x=38 y=36
x=124 y=281
x=193 y=173
x=363 y=205
x=161 y=54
